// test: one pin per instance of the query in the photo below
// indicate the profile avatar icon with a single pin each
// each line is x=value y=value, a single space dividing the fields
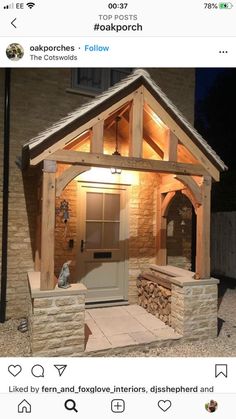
x=211 y=406
x=14 y=52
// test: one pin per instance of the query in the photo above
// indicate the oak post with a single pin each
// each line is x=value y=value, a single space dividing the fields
x=136 y=125
x=170 y=152
x=161 y=232
x=48 y=226
x=203 y=266
x=96 y=145
x=37 y=255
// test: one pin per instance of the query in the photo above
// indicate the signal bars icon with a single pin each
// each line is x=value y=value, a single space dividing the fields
x=9 y=6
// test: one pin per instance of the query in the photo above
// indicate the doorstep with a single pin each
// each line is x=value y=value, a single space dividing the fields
x=112 y=328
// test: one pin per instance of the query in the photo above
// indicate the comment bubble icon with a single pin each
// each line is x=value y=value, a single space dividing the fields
x=37 y=371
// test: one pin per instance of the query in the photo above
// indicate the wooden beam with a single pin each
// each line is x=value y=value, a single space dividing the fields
x=153 y=144
x=49 y=166
x=136 y=125
x=37 y=255
x=203 y=232
x=126 y=163
x=78 y=141
x=161 y=223
x=170 y=153
x=96 y=145
x=67 y=176
x=48 y=229
x=192 y=186
x=191 y=198
x=181 y=135
x=120 y=114
x=150 y=142
x=166 y=203
x=72 y=135
x=173 y=186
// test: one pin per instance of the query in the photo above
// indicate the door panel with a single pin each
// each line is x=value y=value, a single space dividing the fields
x=102 y=235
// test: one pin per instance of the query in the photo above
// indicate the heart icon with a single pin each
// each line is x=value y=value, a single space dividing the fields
x=164 y=405
x=14 y=370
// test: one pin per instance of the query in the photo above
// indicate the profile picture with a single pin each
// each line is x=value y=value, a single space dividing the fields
x=211 y=406
x=15 y=52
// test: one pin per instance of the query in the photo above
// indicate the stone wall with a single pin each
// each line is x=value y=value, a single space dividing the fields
x=179 y=86
x=194 y=310
x=142 y=229
x=179 y=232
x=192 y=304
x=57 y=321
x=38 y=98
x=64 y=232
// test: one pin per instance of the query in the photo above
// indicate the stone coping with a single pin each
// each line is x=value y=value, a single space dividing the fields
x=34 y=283
x=182 y=277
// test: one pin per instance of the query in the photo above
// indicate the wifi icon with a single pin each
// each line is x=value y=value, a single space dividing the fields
x=30 y=5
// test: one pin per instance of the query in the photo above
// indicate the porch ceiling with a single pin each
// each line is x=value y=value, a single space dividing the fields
x=159 y=117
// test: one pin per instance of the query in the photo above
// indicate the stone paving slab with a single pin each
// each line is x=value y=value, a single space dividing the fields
x=165 y=333
x=150 y=322
x=93 y=328
x=106 y=312
x=118 y=325
x=123 y=339
x=98 y=344
x=135 y=310
x=143 y=337
x=123 y=326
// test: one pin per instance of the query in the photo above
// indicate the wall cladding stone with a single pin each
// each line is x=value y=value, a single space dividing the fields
x=194 y=311
x=142 y=228
x=179 y=236
x=57 y=326
x=64 y=232
x=38 y=99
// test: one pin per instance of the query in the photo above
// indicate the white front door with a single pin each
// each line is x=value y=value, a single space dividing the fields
x=102 y=242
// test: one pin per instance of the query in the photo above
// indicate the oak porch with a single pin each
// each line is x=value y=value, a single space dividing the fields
x=150 y=124
x=183 y=181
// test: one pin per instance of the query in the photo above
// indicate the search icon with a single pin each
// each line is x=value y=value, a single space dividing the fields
x=70 y=405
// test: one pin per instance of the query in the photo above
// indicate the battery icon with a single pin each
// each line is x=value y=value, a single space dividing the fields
x=225 y=5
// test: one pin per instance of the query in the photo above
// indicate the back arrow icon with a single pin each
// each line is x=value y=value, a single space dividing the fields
x=12 y=23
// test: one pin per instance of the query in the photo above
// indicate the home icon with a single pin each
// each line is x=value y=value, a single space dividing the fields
x=24 y=407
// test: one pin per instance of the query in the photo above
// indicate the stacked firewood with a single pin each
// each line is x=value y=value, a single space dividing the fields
x=155 y=298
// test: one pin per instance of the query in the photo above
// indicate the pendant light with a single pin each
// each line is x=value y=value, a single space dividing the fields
x=115 y=170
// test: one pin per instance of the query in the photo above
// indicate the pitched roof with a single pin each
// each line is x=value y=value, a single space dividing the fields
x=121 y=89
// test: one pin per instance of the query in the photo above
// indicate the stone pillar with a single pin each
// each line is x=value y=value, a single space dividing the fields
x=57 y=319
x=194 y=308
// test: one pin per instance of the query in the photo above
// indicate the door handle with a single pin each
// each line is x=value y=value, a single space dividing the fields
x=82 y=245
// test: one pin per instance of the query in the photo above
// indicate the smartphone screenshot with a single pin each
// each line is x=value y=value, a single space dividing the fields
x=118 y=209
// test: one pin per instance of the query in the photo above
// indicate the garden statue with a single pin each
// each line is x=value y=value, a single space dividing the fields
x=63 y=280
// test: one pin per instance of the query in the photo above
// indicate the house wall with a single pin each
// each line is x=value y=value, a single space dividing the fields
x=179 y=232
x=38 y=99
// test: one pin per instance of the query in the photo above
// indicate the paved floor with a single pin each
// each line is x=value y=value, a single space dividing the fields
x=114 y=327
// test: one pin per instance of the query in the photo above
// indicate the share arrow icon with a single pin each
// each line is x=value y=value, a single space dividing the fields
x=60 y=369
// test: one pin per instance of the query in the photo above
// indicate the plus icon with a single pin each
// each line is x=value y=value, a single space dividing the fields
x=117 y=406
